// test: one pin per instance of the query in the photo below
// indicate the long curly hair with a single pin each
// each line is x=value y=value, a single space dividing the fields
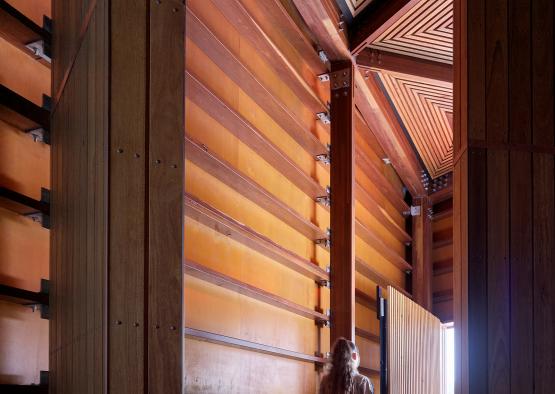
x=343 y=367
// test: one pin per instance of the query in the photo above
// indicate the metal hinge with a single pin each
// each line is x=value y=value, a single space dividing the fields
x=326 y=242
x=323 y=56
x=414 y=211
x=324 y=77
x=324 y=158
x=38 y=49
x=323 y=117
x=325 y=200
x=324 y=283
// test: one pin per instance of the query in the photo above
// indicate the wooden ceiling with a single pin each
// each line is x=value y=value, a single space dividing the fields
x=411 y=55
x=425 y=107
x=426 y=32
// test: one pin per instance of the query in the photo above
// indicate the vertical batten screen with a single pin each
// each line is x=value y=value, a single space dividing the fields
x=414 y=347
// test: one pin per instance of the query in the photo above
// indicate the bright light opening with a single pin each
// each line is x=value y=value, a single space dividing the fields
x=449 y=359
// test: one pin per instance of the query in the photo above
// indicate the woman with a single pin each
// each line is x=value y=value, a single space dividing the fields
x=343 y=377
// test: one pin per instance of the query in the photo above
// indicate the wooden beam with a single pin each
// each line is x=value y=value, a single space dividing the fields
x=247 y=25
x=22 y=204
x=220 y=111
x=443 y=267
x=373 y=59
x=322 y=25
x=379 y=246
x=20 y=31
x=342 y=217
x=366 y=270
x=373 y=173
x=441 y=195
x=241 y=183
x=364 y=299
x=367 y=335
x=375 y=20
x=442 y=238
x=219 y=279
x=369 y=98
x=379 y=116
x=421 y=255
x=21 y=296
x=202 y=37
x=201 y=335
x=21 y=113
x=372 y=206
x=218 y=221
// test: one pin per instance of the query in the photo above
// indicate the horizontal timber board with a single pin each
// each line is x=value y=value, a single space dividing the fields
x=367 y=271
x=21 y=113
x=218 y=221
x=364 y=299
x=373 y=207
x=379 y=180
x=201 y=35
x=249 y=28
x=252 y=346
x=219 y=279
x=210 y=103
x=200 y=156
x=19 y=30
x=21 y=296
x=367 y=335
x=385 y=251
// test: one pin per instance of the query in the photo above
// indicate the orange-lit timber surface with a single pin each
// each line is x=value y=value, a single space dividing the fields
x=24 y=244
x=251 y=215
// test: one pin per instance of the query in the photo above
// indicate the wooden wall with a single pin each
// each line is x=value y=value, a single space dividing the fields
x=24 y=245
x=251 y=217
x=442 y=260
x=117 y=197
x=504 y=191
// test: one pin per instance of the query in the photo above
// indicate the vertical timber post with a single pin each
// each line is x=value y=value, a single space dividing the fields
x=342 y=201
x=422 y=254
x=117 y=196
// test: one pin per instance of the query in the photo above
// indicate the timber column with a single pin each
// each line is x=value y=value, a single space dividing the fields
x=117 y=196
x=342 y=216
x=504 y=192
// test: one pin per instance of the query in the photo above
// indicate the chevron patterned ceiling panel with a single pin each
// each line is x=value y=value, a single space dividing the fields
x=425 y=107
x=425 y=31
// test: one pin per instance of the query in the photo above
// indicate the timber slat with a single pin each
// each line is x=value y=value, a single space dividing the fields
x=22 y=204
x=21 y=113
x=378 y=179
x=367 y=335
x=248 y=27
x=199 y=33
x=21 y=296
x=366 y=270
x=219 y=279
x=364 y=299
x=210 y=103
x=19 y=30
x=199 y=155
x=373 y=207
x=368 y=237
x=218 y=221
x=23 y=389
x=252 y=346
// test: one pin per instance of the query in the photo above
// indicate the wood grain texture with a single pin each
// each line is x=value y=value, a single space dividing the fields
x=127 y=325
x=79 y=212
x=342 y=217
x=422 y=269
x=414 y=343
x=425 y=31
x=166 y=166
